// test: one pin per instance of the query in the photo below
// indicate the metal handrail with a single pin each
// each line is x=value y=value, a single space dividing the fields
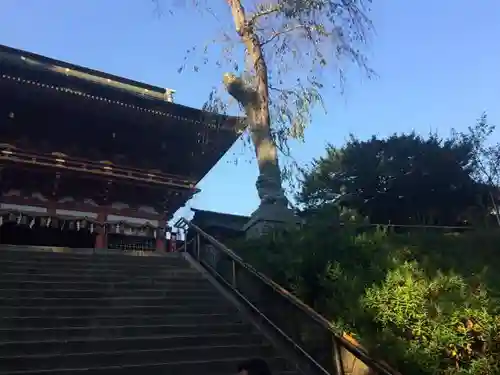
x=353 y=349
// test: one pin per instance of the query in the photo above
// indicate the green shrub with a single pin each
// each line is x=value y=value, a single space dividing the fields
x=424 y=302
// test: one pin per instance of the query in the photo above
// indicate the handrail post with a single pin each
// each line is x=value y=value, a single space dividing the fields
x=233 y=271
x=338 y=366
x=198 y=238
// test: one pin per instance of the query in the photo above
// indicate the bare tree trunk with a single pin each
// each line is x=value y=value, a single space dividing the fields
x=495 y=208
x=255 y=101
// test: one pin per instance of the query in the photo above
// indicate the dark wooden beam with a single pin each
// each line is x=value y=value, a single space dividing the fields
x=102 y=169
x=55 y=186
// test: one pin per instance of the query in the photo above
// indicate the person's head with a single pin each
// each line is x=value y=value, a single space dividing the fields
x=254 y=367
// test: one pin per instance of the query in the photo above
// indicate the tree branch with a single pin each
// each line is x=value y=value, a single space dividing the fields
x=277 y=34
x=238 y=12
x=262 y=13
x=254 y=48
x=238 y=90
x=285 y=91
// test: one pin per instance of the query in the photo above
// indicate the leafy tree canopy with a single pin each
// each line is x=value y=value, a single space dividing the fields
x=486 y=160
x=404 y=179
x=424 y=301
x=276 y=52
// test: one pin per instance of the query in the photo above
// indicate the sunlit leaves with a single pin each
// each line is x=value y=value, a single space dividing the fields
x=446 y=326
x=292 y=109
x=308 y=46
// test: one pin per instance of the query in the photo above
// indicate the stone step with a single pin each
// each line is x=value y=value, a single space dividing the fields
x=81 y=311
x=216 y=366
x=108 y=345
x=8 y=265
x=103 y=277
x=107 y=292
x=131 y=357
x=113 y=301
x=109 y=313
x=107 y=320
x=95 y=331
x=103 y=272
x=111 y=258
x=130 y=284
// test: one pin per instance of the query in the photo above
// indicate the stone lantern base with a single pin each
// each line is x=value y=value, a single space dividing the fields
x=268 y=218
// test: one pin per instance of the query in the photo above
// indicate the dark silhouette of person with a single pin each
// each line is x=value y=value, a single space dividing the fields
x=254 y=367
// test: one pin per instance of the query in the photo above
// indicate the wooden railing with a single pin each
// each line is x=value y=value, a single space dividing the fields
x=11 y=154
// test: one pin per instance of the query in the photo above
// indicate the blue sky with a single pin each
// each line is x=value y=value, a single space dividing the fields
x=438 y=65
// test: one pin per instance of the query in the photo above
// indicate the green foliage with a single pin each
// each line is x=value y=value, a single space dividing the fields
x=486 y=159
x=425 y=302
x=306 y=46
x=302 y=41
x=440 y=323
x=404 y=179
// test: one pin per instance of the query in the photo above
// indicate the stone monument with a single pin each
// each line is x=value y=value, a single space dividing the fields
x=273 y=212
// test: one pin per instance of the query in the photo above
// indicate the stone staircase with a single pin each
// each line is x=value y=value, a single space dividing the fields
x=68 y=313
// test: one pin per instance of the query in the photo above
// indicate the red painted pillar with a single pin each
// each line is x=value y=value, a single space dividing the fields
x=173 y=242
x=101 y=238
x=51 y=208
x=160 y=240
x=161 y=243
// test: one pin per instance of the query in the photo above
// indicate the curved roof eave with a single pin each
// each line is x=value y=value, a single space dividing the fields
x=148 y=94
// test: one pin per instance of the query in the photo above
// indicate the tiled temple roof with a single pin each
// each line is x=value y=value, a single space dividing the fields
x=73 y=98
x=101 y=87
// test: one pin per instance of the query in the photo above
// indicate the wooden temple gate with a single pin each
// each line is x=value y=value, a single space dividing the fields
x=88 y=158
